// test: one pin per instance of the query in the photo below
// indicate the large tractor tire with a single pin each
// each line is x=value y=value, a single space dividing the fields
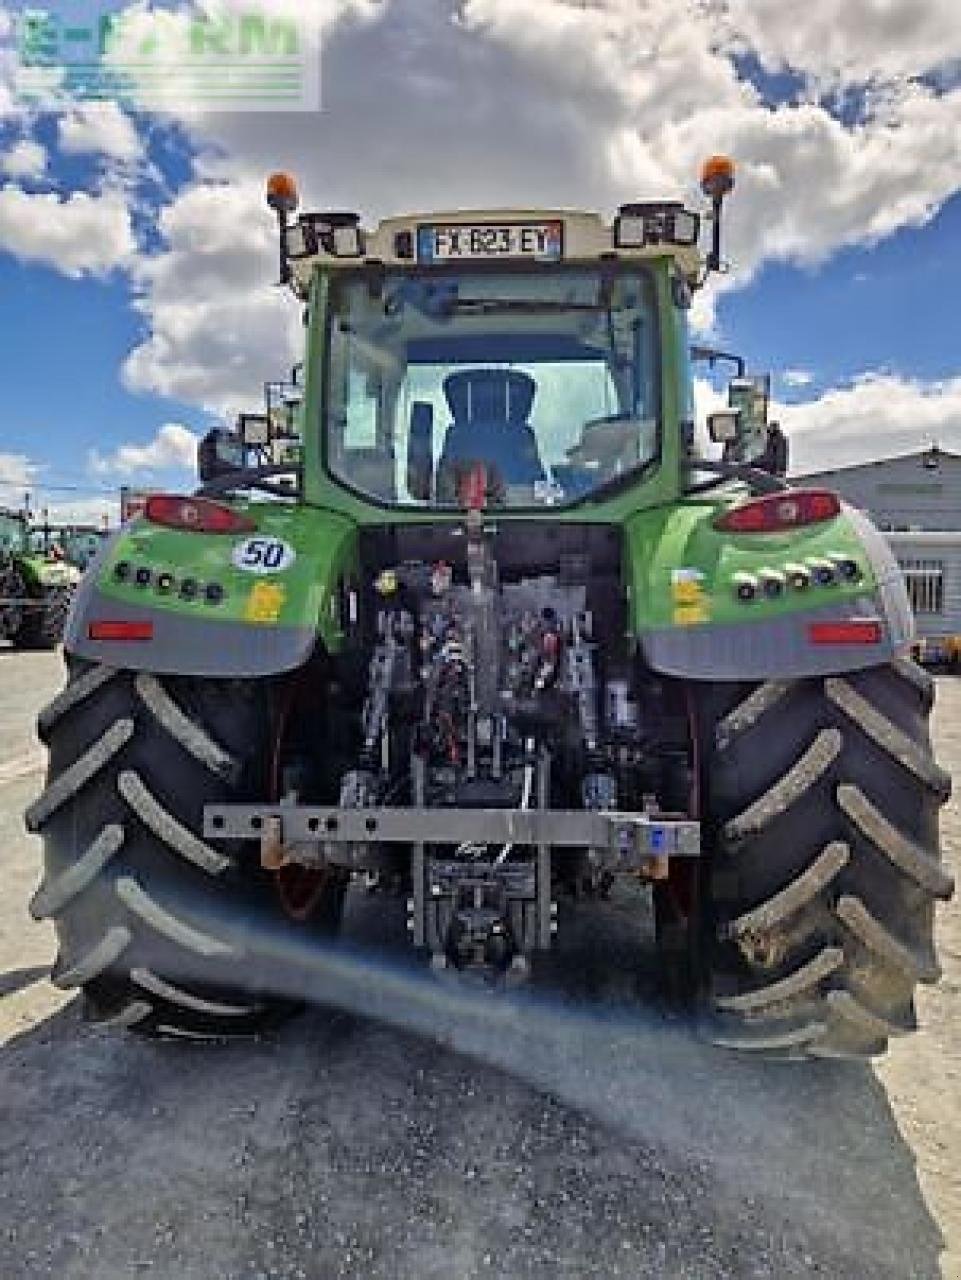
x=42 y=627
x=823 y=800
x=12 y=591
x=140 y=901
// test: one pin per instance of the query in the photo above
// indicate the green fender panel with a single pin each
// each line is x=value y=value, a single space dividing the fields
x=243 y=604
x=682 y=577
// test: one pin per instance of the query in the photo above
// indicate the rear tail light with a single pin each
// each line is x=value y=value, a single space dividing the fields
x=851 y=631
x=778 y=511
x=196 y=515
x=121 y=629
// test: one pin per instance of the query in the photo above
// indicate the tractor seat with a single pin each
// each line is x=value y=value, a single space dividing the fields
x=489 y=408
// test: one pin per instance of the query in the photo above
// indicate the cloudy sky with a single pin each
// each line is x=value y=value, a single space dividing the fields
x=137 y=257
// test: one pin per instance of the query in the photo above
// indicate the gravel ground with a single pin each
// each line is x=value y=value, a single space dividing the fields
x=557 y=1137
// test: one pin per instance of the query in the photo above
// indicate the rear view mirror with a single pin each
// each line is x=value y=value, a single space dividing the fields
x=722 y=426
x=420 y=451
x=752 y=395
x=218 y=453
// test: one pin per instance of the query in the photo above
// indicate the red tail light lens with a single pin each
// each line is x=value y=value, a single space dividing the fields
x=195 y=515
x=778 y=511
x=120 y=630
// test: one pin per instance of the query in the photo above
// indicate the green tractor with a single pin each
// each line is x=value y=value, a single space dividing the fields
x=36 y=586
x=475 y=621
x=73 y=542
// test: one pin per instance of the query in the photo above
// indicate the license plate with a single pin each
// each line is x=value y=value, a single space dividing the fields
x=444 y=242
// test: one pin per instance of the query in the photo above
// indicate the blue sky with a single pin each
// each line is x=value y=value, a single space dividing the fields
x=890 y=306
x=136 y=258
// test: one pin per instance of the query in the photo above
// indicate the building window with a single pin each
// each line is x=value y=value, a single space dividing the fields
x=924 y=580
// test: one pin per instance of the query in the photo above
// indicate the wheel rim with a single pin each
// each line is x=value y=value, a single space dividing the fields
x=300 y=890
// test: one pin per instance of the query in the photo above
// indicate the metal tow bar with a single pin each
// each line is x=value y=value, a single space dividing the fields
x=315 y=835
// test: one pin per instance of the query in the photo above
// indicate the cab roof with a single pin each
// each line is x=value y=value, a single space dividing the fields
x=537 y=237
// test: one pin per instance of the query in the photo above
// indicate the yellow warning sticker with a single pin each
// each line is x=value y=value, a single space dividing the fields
x=687 y=592
x=691 y=603
x=687 y=615
x=265 y=602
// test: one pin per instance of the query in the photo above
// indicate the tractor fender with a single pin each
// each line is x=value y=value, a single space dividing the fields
x=233 y=605
x=689 y=622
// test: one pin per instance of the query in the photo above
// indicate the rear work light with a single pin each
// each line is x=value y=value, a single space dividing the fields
x=639 y=225
x=196 y=515
x=850 y=631
x=120 y=630
x=776 y=512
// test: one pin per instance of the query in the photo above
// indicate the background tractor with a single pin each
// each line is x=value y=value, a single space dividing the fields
x=36 y=586
x=474 y=619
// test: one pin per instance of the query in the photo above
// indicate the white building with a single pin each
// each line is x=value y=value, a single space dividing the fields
x=916 y=500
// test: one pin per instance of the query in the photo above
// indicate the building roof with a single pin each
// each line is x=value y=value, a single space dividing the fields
x=933 y=451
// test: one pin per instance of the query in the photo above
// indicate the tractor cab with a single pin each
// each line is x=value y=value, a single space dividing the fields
x=545 y=379
x=543 y=354
x=543 y=350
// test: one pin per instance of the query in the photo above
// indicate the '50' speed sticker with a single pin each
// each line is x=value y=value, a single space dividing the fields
x=263 y=555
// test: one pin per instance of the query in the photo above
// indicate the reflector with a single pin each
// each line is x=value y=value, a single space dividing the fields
x=120 y=629
x=846 y=631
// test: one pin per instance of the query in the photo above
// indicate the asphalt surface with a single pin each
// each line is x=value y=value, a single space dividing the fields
x=582 y=1133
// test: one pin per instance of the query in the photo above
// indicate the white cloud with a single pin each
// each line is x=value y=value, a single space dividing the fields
x=77 y=235
x=80 y=510
x=219 y=327
x=657 y=92
x=21 y=475
x=173 y=448
x=17 y=476
x=25 y=159
x=707 y=399
x=876 y=416
x=850 y=41
x=797 y=377
x=99 y=128
x=702 y=316
x=594 y=104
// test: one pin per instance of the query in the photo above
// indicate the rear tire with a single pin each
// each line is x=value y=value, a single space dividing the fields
x=139 y=900
x=12 y=587
x=823 y=800
x=42 y=627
